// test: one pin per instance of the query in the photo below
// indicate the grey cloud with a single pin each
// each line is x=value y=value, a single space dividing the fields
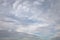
x=56 y=38
x=46 y=12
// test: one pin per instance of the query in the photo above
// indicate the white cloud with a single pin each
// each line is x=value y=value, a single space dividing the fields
x=15 y=4
x=31 y=28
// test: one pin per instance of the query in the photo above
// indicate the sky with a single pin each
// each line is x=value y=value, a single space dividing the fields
x=37 y=17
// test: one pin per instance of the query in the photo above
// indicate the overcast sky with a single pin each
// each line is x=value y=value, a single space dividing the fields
x=38 y=17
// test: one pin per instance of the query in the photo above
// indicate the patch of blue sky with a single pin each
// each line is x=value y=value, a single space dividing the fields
x=27 y=20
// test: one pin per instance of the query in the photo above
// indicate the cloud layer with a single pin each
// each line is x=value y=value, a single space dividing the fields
x=38 y=17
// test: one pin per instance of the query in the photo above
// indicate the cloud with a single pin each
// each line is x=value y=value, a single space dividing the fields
x=30 y=16
x=30 y=28
x=56 y=38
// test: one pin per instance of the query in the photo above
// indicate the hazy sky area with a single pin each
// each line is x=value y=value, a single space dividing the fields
x=37 y=17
